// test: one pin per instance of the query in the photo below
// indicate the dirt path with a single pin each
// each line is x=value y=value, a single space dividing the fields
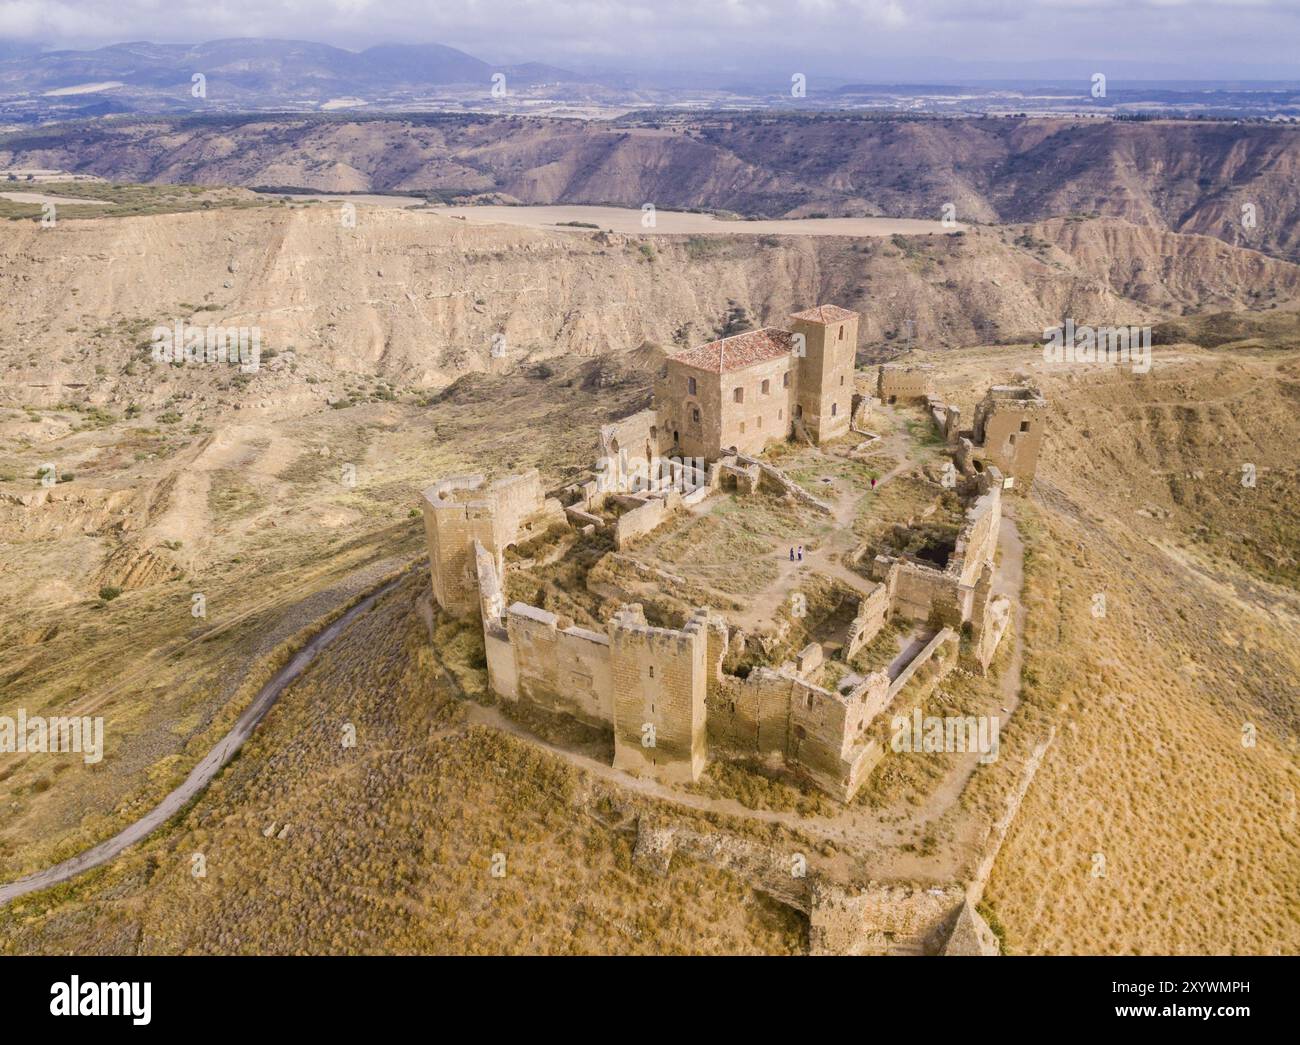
x=205 y=771
x=629 y=221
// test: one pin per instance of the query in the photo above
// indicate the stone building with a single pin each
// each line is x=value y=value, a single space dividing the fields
x=1007 y=434
x=745 y=391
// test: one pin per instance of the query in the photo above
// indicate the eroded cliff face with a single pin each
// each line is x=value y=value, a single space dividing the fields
x=1180 y=175
x=420 y=298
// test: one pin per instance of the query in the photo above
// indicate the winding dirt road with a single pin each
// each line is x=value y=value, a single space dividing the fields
x=203 y=773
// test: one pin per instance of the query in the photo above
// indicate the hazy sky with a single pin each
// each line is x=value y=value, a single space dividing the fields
x=873 y=39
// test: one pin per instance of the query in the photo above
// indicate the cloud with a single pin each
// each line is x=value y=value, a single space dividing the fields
x=1212 y=36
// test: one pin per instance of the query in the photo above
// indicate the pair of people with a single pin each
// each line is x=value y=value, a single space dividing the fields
x=800 y=554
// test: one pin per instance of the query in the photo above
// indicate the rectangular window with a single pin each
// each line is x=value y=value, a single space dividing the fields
x=1024 y=426
x=766 y=388
x=690 y=386
x=695 y=415
x=785 y=379
x=738 y=395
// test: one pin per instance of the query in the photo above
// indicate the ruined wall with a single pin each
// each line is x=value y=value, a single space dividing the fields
x=567 y=670
x=827 y=735
x=645 y=518
x=989 y=620
x=942 y=649
x=453 y=522
x=873 y=610
x=899 y=381
x=462 y=511
x=1008 y=432
x=978 y=541
x=629 y=452
x=918 y=592
x=660 y=684
x=901 y=918
x=751 y=716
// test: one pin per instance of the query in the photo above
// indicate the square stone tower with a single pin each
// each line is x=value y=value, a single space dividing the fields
x=826 y=344
x=660 y=680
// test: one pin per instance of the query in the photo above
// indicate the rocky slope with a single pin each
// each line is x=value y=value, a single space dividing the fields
x=416 y=298
x=1181 y=175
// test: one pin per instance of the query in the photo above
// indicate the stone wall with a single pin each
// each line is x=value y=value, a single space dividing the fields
x=978 y=540
x=893 y=918
x=564 y=670
x=899 y=381
x=1008 y=432
x=873 y=610
x=751 y=716
x=643 y=519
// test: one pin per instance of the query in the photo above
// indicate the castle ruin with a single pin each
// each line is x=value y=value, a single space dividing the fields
x=662 y=692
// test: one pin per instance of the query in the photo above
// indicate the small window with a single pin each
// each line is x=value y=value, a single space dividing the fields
x=785 y=379
x=690 y=386
x=780 y=415
x=758 y=421
x=652 y=671
x=835 y=409
x=738 y=395
x=766 y=388
x=1012 y=438
x=841 y=380
x=1024 y=426
x=798 y=410
x=695 y=415
x=742 y=427
x=809 y=700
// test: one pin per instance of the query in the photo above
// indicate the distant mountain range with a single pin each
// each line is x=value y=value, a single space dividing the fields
x=291 y=66
x=260 y=75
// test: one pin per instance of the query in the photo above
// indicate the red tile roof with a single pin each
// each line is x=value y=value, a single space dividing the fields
x=825 y=314
x=738 y=351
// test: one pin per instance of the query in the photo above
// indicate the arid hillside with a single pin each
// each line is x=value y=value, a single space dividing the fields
x=417 y=299
x=1179 y=175
x=1163 y=644
x=278 y=496
x=1151 y=827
